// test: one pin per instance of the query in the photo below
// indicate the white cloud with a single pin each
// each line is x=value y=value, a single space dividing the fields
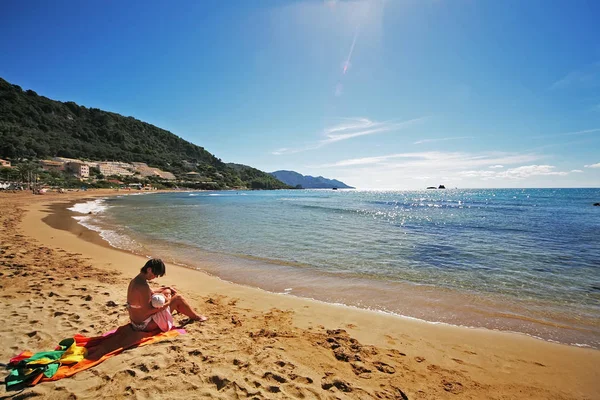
x=485 y=174
x=597 y=165
x=283 y=150
x=576 y=170
x=496 y=166
x=585 y=131
x=585 y=77
x=442 y=139
x=436 y=159
x=349 y=129
x=361 y=127
x=527 y=171
x=523 y=172
x=582 y=132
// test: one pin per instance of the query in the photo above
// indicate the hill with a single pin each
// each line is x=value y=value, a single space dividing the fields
x=294 y=179
x=36 y=127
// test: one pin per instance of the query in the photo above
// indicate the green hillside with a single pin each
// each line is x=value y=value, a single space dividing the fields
x=35 y=127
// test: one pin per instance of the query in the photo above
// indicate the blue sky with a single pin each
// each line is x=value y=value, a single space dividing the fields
x=379 y=94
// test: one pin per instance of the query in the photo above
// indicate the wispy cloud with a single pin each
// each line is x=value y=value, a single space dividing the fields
x=361 y=127
x=442 y=139
x=597 y=165
x=576 y=170
x=283 y=150
x=496 y=166
x=351 y=128
x=575 y=133
x=585 y=77
x=438 y=160
x=583 y=132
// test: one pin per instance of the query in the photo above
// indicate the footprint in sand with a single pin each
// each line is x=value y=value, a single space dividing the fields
x=383 y=367
x=338 y=384
x=240 y=363
x=270 y=376
x=300 y=379
x=452 y=387
x=285 y=365
x=74 y=318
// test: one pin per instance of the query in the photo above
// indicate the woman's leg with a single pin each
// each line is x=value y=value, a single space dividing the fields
x=180 y=304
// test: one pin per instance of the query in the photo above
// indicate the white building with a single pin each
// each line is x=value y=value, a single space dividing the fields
x=110 y=168
x=80 y=168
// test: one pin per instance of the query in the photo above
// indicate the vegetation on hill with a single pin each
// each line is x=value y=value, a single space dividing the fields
x=35 y=127
x=256 y=178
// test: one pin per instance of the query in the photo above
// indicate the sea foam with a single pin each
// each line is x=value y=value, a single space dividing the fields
x=93 y=206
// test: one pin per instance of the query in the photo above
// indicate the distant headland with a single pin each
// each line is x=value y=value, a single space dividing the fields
x=297 y=180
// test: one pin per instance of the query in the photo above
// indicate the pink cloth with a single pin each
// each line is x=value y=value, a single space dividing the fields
x=164 y=319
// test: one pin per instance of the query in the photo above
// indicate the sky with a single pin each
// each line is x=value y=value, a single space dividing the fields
x=396 y=94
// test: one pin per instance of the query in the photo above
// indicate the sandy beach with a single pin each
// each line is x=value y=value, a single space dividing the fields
x=59 y=279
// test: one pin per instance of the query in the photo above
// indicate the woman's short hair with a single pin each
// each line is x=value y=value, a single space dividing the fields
x=156 y=265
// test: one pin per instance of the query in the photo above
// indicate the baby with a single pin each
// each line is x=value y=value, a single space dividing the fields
x=163 y=318
x=159 y=299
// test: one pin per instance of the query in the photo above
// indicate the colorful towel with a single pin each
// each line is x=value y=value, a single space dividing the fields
x=77 y=354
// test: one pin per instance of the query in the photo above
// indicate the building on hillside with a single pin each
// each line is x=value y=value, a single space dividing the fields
x=4 y=163
x=65 y=159
x=50 y=165
x=79 y=168
x=145 y=171
x=110 y=168
x=165 y=175
x=123 y=165
x=196 y=176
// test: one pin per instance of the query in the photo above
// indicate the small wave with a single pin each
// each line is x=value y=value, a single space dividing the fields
x=113 y=238
x=94 y=207
x=193 y=194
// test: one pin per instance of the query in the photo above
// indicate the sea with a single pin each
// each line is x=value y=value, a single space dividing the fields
x=518 y=260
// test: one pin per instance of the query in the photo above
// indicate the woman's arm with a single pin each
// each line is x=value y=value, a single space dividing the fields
x=143 y=297
x=163 y=289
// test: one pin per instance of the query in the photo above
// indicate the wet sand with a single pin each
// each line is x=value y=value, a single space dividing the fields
x=58 y=282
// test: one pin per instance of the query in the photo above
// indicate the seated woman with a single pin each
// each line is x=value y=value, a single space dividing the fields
x=144 y=317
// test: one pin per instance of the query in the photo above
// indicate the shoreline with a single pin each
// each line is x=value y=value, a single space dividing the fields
x=430 y=304
x=482 y=361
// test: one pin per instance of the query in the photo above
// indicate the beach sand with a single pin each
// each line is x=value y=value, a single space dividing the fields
x=58 y=278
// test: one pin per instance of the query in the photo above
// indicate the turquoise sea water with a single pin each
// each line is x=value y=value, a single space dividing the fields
x=525 y=260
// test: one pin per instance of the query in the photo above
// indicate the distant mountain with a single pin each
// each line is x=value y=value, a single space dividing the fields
x=293 y=179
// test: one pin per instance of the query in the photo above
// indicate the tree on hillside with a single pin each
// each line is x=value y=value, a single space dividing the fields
x=8 y=174
x=28 y=173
